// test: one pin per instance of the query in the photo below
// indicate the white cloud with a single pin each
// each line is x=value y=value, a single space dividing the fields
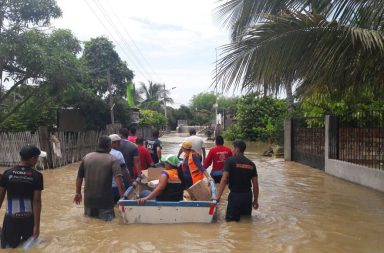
x=176 y=38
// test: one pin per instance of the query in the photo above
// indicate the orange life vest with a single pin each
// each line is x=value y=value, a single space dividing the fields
x=196 y=174
x=173 y=177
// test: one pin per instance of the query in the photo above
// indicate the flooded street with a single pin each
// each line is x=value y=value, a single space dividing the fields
x=301 y=210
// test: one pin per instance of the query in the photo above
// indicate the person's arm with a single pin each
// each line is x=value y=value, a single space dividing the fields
x=200 y=166
x=79 y=181
x=158 y=151
x=208 y=161
x=36 y=213
x=136 y=160
x=2 y=195
x=178 y=154
x=223 y=183
x=163 y=181
x=149 y=160
x=203 y=149
x=126 y=174
x=255 y=185
x=120 y=184
x=78 y=197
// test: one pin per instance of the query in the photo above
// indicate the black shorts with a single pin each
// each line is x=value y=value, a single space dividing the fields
x=15 y=230
x=187 y=182
x=217 y=178
x=238 y=204
x=103 y=214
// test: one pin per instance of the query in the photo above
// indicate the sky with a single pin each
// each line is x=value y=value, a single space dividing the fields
x=172 y=42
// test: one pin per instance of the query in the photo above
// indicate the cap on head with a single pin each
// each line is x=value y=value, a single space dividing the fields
x=186 y=144
x=171 y=159
x=29 y=151
x=115 y=137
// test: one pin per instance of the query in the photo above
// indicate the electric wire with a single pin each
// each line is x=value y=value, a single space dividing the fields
x=134 y=44
x=113 y=37
x=117 y=32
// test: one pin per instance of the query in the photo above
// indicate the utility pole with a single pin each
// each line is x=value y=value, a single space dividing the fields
x=216 y=105
x=111 y=105
x=165 y=101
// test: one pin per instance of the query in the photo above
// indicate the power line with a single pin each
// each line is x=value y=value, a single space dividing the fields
x=116 y=30
x=133 y=42
x=113 y=38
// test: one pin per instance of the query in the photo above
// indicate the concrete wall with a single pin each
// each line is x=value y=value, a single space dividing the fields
x=373 y=178
x=185 y=129
x=370 y=177
x=287 y=140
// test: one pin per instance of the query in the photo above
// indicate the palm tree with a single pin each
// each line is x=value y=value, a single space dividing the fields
x=153 y=96
x=314 y=45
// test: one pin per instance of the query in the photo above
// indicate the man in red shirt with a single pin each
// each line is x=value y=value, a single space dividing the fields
x=144 y=155
x=217 y=155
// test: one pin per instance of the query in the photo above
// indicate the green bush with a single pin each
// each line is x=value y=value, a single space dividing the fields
x=259 y=119
x=152 y=119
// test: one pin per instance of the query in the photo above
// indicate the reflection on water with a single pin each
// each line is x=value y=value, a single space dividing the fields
x=301 y=210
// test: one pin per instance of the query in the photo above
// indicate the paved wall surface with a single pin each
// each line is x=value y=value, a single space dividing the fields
x=370 y=177
x=373 y=178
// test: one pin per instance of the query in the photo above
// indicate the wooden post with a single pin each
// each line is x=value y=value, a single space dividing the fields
x=44 y=139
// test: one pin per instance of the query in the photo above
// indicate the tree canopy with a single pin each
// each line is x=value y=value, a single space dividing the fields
x=332 y=46
x=99 y=56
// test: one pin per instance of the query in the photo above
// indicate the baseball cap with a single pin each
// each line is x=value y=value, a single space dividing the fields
x=171 y=159
x=115 y=137
x=29 y=151
x=186 y=144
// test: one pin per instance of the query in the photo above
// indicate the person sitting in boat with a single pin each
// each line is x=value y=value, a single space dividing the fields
x=170 y=187
x=193 y=170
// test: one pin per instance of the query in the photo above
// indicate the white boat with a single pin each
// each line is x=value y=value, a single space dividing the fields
x=157 y=212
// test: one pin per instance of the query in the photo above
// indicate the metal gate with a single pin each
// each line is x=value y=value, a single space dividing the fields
x=308 y=141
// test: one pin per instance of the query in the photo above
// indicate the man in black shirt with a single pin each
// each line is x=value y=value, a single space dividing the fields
x=239 y=173
x=23 y=186
x=154 y=146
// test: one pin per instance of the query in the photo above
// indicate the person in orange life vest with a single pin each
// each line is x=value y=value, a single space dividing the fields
x=217 y=156
x=170 y=187
x=193 y=170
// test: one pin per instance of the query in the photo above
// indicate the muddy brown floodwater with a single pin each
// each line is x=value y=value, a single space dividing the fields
x=301 y=210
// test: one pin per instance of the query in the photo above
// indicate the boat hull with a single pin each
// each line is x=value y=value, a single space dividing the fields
x=158 y=212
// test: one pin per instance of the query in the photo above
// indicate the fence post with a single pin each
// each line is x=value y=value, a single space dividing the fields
x=288 y=139
x=44 y=141
x=332 y=137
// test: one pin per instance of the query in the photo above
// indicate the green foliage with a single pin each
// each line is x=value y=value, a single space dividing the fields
x=151 y=97
x=99 y=55
x=259 y=119
x=39 y=110
x=320 y=104
x=20 y=13
x=203 y=101
x=182 y=113
x=45 y=74
x=315 y=46
x=202 y=106
x=152 y=119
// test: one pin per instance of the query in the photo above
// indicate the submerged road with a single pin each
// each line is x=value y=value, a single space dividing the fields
x=301 y=210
